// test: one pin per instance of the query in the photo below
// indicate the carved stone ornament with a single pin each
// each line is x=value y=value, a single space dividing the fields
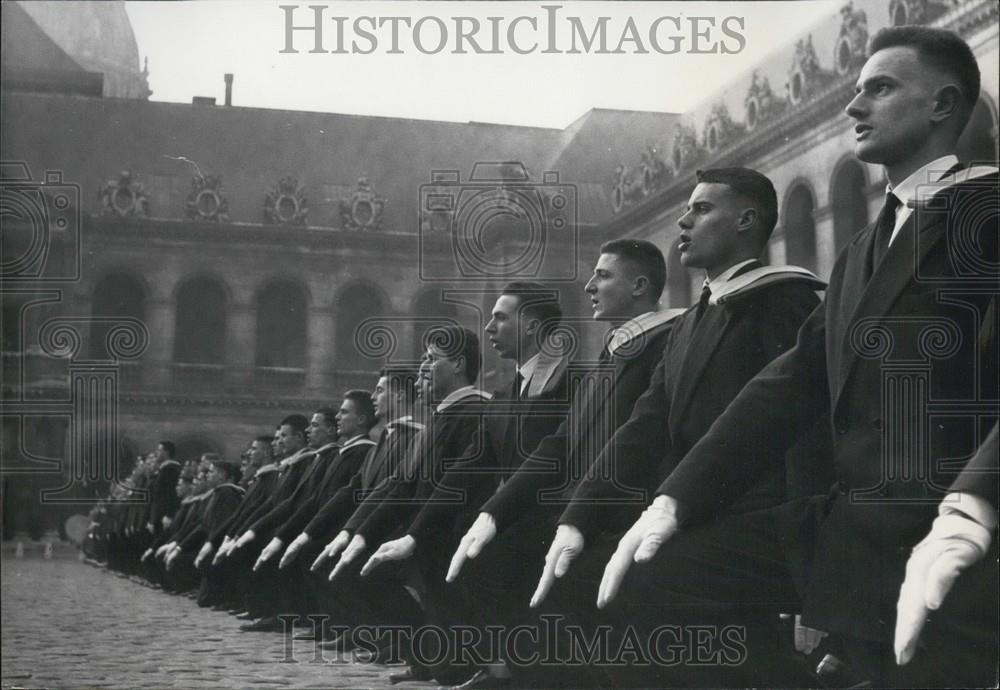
x=916 y=11
x=363 y=211
x=626 y=190
x=655 y=170
x=124 y=197
x=849 y=51
x=760 y=103
x=719 y=128
x=286 y=204
x=805 y=76
x=206 y=200
x=686 y=149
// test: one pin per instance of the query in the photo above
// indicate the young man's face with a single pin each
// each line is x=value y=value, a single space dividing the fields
x=161 y=453
x=258 y=453
x=349 y=422
x=441 y=374
x=380 y=399
x=709 y=237
x=184 y=487
x=320 y=432
x=215 y=477
x=509 y=330
x=610 y=288
x=895 y=96
x=289 y=440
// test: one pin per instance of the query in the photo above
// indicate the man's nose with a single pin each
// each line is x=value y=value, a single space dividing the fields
x=855 y=108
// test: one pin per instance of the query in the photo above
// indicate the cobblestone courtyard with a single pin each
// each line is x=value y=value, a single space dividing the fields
x=66 y=624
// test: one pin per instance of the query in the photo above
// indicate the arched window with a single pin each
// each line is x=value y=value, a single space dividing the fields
x=429 y=310
x=355 y=304
x=116 y=295
x=678 y=281
x=281 y=325
x=200 y=332
x=978 y=143
x=848 y=201
x=800 y=228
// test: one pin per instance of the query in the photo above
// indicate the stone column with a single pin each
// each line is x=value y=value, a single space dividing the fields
x=160 y=319
x=320 y=350
x=241 y=342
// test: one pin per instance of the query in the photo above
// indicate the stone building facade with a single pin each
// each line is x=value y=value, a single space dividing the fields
x=197 y=271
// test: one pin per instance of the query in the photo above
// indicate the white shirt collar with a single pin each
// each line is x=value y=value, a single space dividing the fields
x=906 y=191
x=918 y=184
x=724 y=277
x=527 y=369
x=461 y=394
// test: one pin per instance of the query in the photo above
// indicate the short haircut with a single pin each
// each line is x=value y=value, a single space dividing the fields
x=401 y=379
x=329 y=415
x=536 y=301
x=231 y=469
x=940 y=49
x=266 y=440
x=298 y=423
x=169 y=447
x=454 y=342
x=363 y=405
x=646 y=256
x=210 y=457
x=754 y=187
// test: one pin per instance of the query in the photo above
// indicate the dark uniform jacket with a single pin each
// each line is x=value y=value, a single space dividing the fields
x=704 y=365
x=889 y=354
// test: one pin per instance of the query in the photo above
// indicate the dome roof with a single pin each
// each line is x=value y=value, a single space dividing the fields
x=99 y=37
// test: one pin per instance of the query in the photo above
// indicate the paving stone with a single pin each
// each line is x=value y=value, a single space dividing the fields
x=66 y=624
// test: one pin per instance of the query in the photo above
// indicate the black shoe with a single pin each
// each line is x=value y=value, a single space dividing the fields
x=412 y=674
x=482 y=680
x=268 y=624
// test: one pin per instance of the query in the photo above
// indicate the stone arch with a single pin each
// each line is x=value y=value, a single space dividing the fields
x=429 y=309
x=356 y=302
x=978 y=143
x=848 y=200
x=282 y=322
x=799 y=223
x=200 y=321
x=116 y=294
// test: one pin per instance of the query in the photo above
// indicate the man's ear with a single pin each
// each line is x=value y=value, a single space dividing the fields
x=747 y=220
x=947 y=101
x=459 y=364
x=531 y=325
x=640 y=286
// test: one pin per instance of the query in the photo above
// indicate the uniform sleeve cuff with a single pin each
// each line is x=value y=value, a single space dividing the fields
x=970 y=505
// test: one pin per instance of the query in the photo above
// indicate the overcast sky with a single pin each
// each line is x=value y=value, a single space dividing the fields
x=190 y=46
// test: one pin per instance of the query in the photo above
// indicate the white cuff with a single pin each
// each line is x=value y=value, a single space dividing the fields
x=971 y=505
x=959 y=527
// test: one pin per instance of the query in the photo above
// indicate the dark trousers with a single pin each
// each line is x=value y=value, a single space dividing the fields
x=703 y=612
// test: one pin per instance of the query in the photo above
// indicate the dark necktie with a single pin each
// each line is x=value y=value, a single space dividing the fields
x=515 y=393
x=605 y=355
x=706 y=292
x=883 y=229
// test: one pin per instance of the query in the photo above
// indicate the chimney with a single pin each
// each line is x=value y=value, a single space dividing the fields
x=229 y=89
